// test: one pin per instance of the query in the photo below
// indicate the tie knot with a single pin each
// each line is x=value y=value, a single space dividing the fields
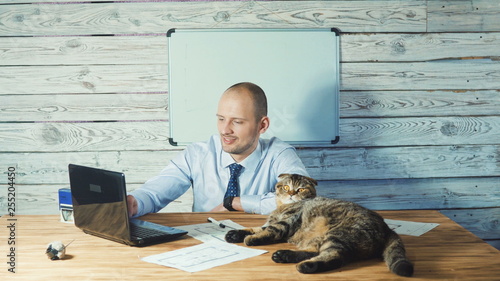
x=235 y=169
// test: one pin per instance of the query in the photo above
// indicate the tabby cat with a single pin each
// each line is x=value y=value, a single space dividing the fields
x=329 y=233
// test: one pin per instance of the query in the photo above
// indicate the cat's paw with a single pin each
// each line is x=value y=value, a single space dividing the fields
x=236 y=236
x=256 y=240
x=289 y=256
x=283 y=256
x=307 y=267
x=252 y=241
x=312 y=266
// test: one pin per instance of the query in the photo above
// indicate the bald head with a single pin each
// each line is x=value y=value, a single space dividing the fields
x=256 y=94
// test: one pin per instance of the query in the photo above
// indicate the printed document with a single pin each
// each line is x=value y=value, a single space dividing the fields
x=208 y=232
x=203 y=256
x=410 y=227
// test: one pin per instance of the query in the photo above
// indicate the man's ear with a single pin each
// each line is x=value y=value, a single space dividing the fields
x=264 y=124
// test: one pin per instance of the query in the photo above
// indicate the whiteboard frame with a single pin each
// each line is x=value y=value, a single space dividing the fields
x=188 y=95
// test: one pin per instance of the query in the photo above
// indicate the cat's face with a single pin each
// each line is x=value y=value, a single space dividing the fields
x=292 y=188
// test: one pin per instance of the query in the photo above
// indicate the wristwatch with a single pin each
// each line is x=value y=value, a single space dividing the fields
x=228 y=203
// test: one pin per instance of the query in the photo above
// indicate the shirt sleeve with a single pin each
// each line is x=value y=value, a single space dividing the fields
x=286 y=162
x=159 y=191
x=259 y=204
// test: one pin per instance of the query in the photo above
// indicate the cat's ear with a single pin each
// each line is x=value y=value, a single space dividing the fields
x=313 y=181
x=283 y=176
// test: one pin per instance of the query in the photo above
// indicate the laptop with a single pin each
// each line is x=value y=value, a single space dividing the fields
x=100 y=208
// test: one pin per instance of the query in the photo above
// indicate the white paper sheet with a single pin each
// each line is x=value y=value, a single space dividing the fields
x=208 y=232
x=410 y=227
x=203 y=256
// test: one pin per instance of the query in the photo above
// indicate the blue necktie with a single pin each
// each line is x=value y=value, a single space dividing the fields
x=233 y=187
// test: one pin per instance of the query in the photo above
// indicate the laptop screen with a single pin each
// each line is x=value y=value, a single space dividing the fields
x=99 y=201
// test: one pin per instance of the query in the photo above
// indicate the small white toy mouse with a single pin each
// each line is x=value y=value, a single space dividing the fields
x=56 y=250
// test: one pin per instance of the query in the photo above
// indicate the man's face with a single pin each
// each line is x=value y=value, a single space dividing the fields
x=237 y=125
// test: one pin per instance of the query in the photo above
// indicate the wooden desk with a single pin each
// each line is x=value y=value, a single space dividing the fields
x=448 y=252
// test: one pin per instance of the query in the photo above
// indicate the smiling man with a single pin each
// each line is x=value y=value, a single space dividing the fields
x=242 y=118
x=208 y=167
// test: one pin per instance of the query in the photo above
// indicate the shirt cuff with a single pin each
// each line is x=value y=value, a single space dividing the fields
x=140 y=205
x=259 y=204
x=250 y=203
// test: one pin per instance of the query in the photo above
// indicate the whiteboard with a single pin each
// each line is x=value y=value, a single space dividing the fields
x=298 y=69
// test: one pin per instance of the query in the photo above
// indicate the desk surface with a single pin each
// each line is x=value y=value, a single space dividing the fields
x=448 y=252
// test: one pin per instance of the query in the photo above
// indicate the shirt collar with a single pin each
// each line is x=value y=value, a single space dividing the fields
x=250 y=163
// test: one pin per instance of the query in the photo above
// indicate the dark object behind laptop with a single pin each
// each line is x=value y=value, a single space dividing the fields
x=100 y=208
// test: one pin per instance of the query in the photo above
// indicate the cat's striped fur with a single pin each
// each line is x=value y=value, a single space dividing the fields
x=329 y=233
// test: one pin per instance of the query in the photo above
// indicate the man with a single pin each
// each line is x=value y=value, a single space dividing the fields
x=241 y=119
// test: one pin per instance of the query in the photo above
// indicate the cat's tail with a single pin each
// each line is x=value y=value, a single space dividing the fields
x=395 y=256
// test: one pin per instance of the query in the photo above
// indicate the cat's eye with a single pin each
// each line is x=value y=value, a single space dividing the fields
x=301 y=190
x=286 y=188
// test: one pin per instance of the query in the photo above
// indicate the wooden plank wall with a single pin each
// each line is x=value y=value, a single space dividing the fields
x=86 y=82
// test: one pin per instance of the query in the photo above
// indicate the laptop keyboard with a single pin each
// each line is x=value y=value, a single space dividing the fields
x=142 y=232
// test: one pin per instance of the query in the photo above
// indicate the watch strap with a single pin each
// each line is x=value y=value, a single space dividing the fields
x=228 y=203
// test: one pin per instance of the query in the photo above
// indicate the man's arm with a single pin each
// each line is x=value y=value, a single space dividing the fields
x=159 y=191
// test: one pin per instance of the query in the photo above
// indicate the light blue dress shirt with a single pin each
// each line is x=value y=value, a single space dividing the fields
x=204 y=167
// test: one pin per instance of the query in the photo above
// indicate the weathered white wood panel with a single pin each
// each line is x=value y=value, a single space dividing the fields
x=100 y=136
x=381 y=47
x=402 y=162
x=377 y=104
x=29 y=80
x=494 y=243
x=351 y=16
x=71 y=1
x=114 y=18
x=83 y=107
x=463 y=15
x=52 y=167
x=151 y=49
x=158 y=17
x=419 y=131
x=485 y=223
x=424 y=193
x=436 y=75
x=73 y=50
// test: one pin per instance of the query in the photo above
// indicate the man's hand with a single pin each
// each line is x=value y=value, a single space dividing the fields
x=236 y=205
x=132 y=205
x=219 y=208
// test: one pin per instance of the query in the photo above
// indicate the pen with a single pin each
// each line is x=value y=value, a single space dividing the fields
x=221 y=225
